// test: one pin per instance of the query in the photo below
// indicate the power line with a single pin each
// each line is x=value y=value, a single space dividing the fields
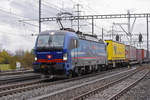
x=55 y=7
x=10 y=34
x=39 y=16
x=17 y=16
x=14 y=14
x=28 y=23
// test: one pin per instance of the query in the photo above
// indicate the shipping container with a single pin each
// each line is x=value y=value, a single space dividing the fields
x=115 y=50
x=145 y=59
x=130 y=53
x=139 y=55
x=144 y=54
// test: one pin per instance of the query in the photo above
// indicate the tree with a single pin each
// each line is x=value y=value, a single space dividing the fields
x=4 y=57
x=28 y=59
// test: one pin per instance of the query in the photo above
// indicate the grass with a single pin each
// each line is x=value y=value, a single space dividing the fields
x=5 y=67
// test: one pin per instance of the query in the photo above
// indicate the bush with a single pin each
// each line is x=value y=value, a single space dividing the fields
x=26 y=58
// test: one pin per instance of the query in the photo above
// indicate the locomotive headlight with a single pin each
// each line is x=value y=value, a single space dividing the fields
x=35 y=58
x=65 y=56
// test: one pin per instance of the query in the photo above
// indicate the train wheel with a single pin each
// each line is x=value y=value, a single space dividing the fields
x=95 y=68
x=77 y=71
x=36 y=70
x=99 y=68
x=70 y=75
x=104 y=68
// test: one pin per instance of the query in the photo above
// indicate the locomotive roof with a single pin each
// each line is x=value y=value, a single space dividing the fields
x=81 y=36
x=48 y=31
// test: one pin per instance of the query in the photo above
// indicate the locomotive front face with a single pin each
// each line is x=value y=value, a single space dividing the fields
x=50 y=54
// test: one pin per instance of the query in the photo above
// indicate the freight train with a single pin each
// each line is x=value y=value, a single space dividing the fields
x=67 y=53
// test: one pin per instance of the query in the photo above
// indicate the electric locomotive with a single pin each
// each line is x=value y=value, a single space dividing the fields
x=65 y=53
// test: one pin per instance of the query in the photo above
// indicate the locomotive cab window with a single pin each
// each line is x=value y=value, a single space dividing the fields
x=73 y=43
x=76 y=43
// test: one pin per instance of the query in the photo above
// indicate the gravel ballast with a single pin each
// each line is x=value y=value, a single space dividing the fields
x=50 y=89
x=115 y=89
x=140 y=92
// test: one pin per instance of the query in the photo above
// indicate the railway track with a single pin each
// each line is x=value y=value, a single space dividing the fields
x=113 y=90
x=18 y=78
x=19 y=87
x=27 y=86
x=22 y=87
x=16 y=72
x=74 y=92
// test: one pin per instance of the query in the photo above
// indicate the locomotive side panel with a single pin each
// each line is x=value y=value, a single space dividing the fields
x=89 y=53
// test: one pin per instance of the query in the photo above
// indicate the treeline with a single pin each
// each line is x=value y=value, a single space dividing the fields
x=26 y=58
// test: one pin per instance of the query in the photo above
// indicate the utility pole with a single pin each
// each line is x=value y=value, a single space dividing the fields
x=147 y=36
x=102 y=33
x=78 y=14
x=39 y=16
x=129 y=30
x=129 y=33
x=71 y=23
x=92 y=25
x=112 y=30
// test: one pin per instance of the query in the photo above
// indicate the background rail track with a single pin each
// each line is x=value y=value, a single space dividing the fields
x=18 y=78
x=15 y=72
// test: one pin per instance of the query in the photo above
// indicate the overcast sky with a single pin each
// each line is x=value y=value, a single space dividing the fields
x=16 y=34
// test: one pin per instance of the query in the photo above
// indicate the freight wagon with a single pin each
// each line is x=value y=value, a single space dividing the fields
x=116 y=53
